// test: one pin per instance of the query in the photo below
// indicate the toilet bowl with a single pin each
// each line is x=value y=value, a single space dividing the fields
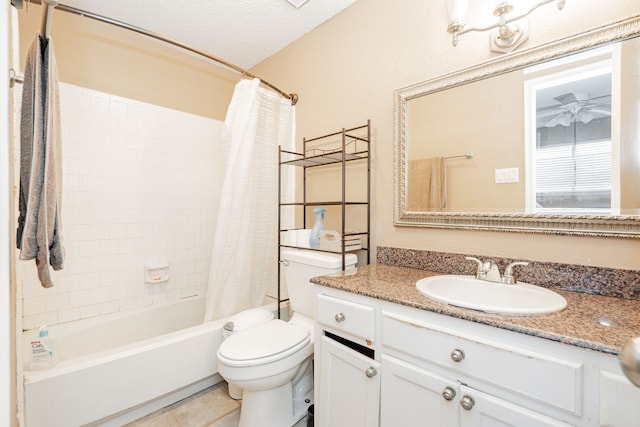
x=272 y=361
x=243 y=320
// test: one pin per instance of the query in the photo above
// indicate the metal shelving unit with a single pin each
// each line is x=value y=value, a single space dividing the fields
x=350 y=145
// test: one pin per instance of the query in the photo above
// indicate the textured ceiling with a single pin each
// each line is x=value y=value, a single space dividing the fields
x=244 y=32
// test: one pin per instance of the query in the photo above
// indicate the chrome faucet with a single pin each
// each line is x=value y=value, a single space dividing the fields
x=488 y=270
x=480 y=273
x=508 y=272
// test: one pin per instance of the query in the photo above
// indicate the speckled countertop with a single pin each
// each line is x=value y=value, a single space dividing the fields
x=579 y=324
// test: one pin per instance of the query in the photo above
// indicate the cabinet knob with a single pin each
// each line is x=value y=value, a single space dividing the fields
x=448 y=393
x=340 y=317
x=371 y=372
x=457 y=355
x=630 y=360
x=467 y=402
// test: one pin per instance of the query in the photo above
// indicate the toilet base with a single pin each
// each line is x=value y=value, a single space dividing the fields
x=282 y=406
x=303 y=390
x=268 y=408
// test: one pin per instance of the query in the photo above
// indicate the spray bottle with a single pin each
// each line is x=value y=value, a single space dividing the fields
x=314 y=239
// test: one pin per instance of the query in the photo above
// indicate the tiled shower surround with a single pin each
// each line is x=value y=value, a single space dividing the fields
x=141 y=186
x=578 y=278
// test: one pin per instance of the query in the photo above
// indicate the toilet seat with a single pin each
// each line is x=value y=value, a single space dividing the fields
x=264 y=343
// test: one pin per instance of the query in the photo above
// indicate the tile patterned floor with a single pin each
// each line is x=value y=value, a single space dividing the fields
x=211 y=407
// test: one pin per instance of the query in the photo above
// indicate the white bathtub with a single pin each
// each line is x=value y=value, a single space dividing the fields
x=116 y=369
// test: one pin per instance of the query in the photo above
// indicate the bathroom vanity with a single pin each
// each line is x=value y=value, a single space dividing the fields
x=388 y=356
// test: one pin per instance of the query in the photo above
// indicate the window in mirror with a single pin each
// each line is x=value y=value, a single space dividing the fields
x=570 y=143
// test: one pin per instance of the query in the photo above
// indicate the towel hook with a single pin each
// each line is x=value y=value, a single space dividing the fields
x=47 y=12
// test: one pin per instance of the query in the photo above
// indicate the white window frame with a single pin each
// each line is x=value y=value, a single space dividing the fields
x=599 y=66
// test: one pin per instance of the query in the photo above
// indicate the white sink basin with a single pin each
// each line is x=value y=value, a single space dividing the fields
x=469 y=292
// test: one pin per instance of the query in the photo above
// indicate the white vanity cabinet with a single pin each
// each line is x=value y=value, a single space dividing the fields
x=619 y=399
x=425 y=369
x=411 y=395
x=484 y=410
x=454 y=381
x=347 y=377
x=350 y=387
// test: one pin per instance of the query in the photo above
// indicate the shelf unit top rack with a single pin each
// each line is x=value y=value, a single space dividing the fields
x=349 y=150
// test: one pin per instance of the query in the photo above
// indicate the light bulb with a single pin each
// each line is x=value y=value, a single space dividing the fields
x=496 y=3
x=457 y=11
x=566 y=119
x=502 y=7
x=584 y=116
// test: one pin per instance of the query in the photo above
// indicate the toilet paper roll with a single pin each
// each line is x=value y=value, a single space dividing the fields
x=302 y=238
x=291 y=238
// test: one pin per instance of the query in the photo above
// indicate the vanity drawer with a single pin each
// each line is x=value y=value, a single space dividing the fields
x=548 y=379
x=346 y=316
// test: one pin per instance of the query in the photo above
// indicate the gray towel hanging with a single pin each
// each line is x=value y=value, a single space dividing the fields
x=39 y=224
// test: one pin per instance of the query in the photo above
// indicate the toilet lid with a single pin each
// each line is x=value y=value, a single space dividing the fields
x=250 y=317
x=275 y=337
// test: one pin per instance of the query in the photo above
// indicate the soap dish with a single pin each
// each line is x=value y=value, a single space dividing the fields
x=156 y=273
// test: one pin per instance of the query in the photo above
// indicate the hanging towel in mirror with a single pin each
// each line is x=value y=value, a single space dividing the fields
x=427 y=185
x=39 y=223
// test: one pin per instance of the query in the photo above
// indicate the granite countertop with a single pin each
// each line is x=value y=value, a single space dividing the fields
x=590 y=321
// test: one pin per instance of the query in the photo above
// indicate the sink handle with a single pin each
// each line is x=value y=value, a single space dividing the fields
x=507 y=277
x=480 y=271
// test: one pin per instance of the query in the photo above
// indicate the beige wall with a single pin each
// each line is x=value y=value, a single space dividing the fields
x=109 y=59
x=346 y=71
x=493 y=134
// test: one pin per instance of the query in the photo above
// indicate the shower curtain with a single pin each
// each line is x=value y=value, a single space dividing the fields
x=244 y=259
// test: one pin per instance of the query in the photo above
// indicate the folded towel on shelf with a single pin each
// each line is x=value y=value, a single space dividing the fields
x=39 y=223
x=330 y=240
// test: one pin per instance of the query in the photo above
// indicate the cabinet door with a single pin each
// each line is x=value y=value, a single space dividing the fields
x=479 y=409
x=512 y=368
x=349 y=387
x=619 y=401
x=414 y=397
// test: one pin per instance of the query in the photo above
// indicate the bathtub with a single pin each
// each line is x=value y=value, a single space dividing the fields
x=117 y=368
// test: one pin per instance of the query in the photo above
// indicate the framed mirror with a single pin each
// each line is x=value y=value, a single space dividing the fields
x=546 y=140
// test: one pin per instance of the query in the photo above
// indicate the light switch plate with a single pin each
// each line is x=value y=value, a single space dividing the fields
x=507 y=175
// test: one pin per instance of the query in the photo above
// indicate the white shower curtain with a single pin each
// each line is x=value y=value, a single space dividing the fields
x=244 y=260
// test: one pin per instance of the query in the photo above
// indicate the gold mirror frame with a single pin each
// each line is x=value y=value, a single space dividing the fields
x=584 y=225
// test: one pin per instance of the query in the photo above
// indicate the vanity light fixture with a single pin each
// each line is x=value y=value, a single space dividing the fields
x=506 y=35
x=297 y=3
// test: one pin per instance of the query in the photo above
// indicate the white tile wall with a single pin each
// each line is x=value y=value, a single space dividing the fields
x=141 y=185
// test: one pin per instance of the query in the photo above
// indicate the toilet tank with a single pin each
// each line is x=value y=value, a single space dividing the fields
x=301 y=265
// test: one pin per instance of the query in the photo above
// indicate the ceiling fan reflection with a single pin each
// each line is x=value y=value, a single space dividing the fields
x=574 y=107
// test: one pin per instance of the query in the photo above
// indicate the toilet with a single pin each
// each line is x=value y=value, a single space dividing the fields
x=272 y=362
x=243 y=320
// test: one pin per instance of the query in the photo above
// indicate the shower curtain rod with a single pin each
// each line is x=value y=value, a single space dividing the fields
x=59 y=6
